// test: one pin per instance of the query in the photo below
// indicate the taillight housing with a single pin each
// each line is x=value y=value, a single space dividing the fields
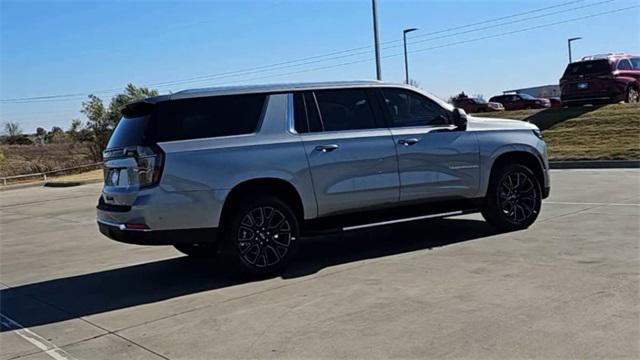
x=149 y=165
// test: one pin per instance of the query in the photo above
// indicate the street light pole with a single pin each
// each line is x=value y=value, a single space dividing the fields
x=569 y=45
x=376 y=39
x=406 y=60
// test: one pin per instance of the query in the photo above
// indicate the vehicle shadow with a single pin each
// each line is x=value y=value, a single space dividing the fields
x=67 y=298
x=547 y=118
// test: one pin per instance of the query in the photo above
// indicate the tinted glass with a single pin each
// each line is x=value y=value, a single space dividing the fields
x=306 y=113
x=410 y=109
x=345 y=110
x=635 y=62
x=624 y=64
x=527 y=97
x=208 y=117
x=588 y=67
x=479 y=101
x=315 y=125
x=300 y=114
x=129 y=131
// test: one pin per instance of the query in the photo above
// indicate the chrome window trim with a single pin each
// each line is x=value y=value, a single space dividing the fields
x=291 y=126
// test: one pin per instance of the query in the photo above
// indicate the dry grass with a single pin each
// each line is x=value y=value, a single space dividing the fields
x=27 y=159
x=610 y=132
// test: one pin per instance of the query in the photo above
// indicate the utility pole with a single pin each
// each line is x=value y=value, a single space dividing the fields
x=376 y=39
x=569 y=45
x=406 y=60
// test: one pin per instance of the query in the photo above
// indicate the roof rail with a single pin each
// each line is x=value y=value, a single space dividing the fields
x=602 y=56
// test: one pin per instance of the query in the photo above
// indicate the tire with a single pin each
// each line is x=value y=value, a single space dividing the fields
x=513 y=199
x=196 y=250
x=260 y=236
x=633 y=96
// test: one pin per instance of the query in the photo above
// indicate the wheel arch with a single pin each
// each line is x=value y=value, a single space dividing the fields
x=521 y=155
x=279 y=188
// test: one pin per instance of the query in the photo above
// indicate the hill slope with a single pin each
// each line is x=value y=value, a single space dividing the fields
x=609 y=132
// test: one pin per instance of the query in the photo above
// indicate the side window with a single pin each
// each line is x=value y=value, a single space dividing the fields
x=208 y=117
x=347 y=109
x=306 y=113
x=624 y=64
x=410 y=109
x=635 y=63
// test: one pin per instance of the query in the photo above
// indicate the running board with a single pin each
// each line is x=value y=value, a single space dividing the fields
x=399 y=221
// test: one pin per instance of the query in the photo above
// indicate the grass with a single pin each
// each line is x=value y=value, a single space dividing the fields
x=28 y=159
x=609 y=132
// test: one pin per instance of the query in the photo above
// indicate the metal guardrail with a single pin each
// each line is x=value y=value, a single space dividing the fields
x=46 y=173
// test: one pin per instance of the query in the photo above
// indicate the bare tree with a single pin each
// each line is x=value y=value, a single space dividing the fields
x=12 y=129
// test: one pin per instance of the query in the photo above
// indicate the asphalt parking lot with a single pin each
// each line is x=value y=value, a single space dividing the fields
x=568 y=287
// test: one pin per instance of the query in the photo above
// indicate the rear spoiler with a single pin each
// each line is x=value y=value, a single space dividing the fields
x=138 y=108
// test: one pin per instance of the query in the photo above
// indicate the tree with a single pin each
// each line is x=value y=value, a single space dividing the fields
x=12 y=129
x=56 y=135
x=102 y=120
x=41 y=134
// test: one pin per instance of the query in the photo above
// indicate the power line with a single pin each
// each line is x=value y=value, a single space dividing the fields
x=437 y=47
x=279 y=65
x=449 y=44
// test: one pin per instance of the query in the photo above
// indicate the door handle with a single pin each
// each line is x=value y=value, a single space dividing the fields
x=408 y=142
x=327 y=148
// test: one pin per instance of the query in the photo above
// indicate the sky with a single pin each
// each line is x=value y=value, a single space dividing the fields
x=75 y=48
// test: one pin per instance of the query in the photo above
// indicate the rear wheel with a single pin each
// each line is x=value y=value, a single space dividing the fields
x=633 y=96
x=513 y=199
x=261 y=235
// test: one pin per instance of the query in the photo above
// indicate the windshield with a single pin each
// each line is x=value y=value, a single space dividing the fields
x=479 y=101
x=527 y=96
x=635 y=62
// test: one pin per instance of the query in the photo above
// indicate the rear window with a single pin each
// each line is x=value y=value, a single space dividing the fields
x=588 y=67
x=130 y=131
x=207 y=117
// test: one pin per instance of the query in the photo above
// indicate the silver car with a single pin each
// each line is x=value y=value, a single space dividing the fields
x=243 y=172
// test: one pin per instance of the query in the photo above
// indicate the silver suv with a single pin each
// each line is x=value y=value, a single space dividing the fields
x=243 y=172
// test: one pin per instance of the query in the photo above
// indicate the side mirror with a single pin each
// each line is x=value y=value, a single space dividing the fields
x=460 y=119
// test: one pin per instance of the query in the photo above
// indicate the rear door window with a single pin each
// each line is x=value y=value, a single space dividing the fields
x=208 y=117
x=306 y=116
x=348 y=109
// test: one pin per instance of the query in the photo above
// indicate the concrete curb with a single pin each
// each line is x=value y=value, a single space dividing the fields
x=595 y=164
x=50 y=184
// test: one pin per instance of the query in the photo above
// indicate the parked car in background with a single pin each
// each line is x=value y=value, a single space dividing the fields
x=521 y=102
x=244 y=172
x=476 y=105
x=601 y=79
x=556 y=102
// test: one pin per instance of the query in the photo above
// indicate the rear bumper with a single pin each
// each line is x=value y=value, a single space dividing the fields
x=117 y=232
x=572 y=97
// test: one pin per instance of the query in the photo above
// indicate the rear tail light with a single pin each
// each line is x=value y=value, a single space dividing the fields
x=149 y=164
x=147 y=170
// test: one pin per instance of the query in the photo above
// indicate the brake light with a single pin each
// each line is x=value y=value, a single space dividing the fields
x=149 y=165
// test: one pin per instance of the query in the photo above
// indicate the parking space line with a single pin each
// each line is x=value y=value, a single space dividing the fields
x=587 y=203
x=38 y=341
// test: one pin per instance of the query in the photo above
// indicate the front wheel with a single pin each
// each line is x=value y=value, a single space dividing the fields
x=513 y=199
x=261 y=235
x=632 y=95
